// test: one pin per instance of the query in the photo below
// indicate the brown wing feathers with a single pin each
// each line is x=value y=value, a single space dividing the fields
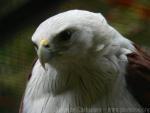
x=138 y=76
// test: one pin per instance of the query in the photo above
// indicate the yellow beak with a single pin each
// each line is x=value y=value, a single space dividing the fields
x=44 y=42
x=43 y=52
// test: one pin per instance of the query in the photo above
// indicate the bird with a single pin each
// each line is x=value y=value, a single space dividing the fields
x=85 y=65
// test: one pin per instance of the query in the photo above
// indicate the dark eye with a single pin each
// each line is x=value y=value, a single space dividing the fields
x=65 y=35
x=35 y=45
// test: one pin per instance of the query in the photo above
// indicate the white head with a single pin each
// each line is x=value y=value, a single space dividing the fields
x=76 y=36
x=80 y=50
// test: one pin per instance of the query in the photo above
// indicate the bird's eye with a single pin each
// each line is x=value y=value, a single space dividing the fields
x=35 y=45
x=65 y=35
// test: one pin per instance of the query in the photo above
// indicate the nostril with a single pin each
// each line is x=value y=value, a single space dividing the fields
x=47 y=46
x=44 y=43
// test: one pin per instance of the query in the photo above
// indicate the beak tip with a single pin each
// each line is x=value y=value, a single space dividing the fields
x=43 y=65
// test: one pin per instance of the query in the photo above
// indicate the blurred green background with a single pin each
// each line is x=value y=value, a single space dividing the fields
x=20 y=18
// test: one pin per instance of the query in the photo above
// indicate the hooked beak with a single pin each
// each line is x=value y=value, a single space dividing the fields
x=43 y=52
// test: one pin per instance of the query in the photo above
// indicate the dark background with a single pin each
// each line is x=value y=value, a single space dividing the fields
x=20 y=18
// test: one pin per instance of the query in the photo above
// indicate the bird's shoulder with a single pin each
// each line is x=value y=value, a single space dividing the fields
x=138 y=76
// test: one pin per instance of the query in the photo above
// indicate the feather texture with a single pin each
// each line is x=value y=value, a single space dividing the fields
x=89 y=75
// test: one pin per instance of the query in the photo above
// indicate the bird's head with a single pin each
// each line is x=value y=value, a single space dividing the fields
x=72 y=36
